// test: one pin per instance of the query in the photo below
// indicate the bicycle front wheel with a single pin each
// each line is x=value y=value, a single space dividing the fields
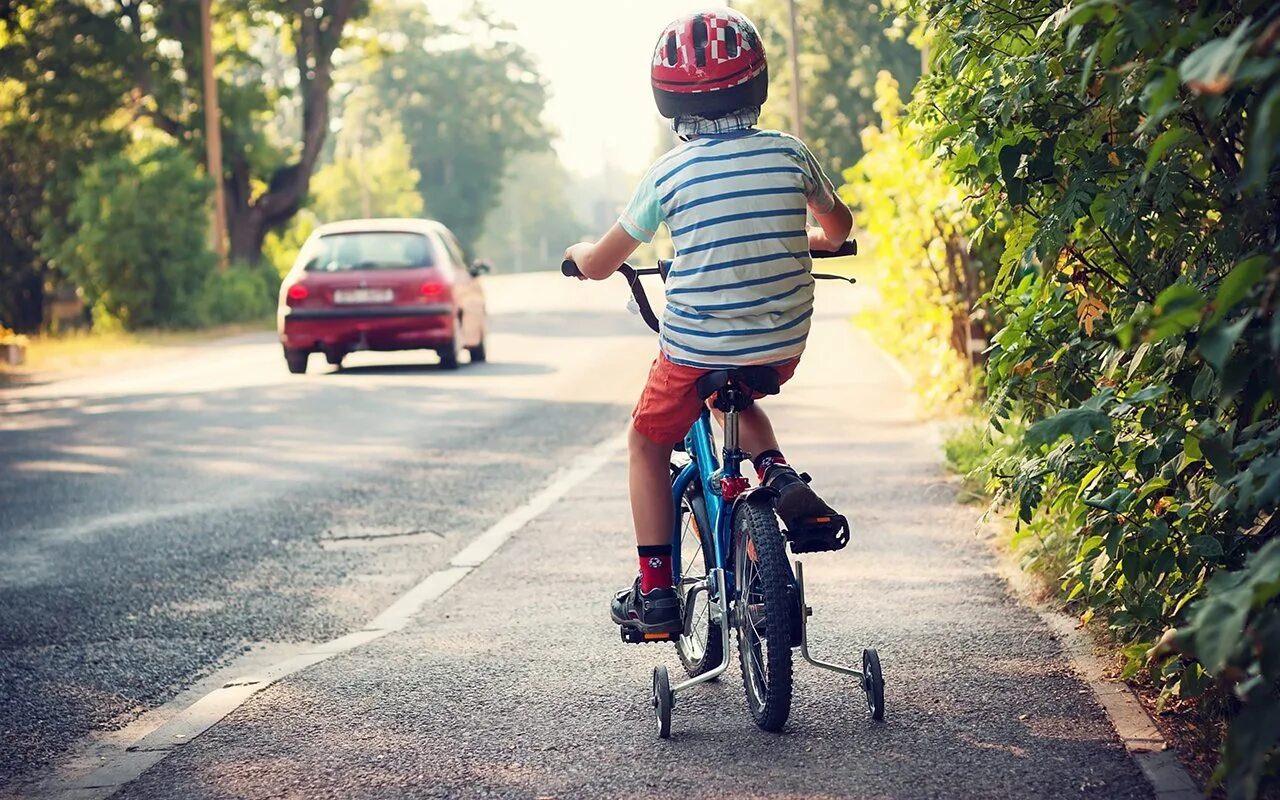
x=762 y=614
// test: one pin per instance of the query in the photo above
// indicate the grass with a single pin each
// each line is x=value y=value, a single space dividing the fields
x=90 y=350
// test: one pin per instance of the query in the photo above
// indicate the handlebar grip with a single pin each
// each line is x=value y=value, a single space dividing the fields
x=849 y=248
x=570 y=269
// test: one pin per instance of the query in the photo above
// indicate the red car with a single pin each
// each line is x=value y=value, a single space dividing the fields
x=381 y=284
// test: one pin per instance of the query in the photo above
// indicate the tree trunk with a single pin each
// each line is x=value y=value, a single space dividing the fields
x=246 y=234
x=249 y=220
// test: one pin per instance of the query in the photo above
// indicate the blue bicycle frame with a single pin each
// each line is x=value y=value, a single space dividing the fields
x=703 y=467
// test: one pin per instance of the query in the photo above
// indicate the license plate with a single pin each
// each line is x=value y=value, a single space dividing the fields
x=362 y=296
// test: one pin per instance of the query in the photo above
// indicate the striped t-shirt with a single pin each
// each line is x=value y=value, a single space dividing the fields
x=739 y=291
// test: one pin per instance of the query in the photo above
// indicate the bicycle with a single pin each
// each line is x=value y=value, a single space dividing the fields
x=745 y=580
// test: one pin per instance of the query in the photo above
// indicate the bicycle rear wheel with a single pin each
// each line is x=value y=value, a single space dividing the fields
x=701 y=646
x=762 y=614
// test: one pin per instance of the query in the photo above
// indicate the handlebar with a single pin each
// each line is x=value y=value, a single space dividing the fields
x=633 y=275
x=849 y=248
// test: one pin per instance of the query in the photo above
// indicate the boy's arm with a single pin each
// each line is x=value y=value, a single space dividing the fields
x=835 y=226
x=834 y=220
x=601 y=259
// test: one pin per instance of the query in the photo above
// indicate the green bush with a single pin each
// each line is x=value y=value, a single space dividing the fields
x=1127 y=154
x=136 y=238
x=969 y=451
x=242 y=293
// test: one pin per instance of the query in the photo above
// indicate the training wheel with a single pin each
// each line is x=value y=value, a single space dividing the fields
x=873 y=683
x=663 y=700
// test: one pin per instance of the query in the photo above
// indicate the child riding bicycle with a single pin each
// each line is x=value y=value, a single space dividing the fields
x=739 y=291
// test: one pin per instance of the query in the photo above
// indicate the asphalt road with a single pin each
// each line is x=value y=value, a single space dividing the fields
x=208 y=509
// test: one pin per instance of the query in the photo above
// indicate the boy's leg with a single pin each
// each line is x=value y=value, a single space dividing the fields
x=755 y=431
x=666 y=409
x=797 y=503
x=650 y=479
x=650 y=603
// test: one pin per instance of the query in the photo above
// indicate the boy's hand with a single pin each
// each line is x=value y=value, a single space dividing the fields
x=597 y=261
x=577 y=253
x=818 y=241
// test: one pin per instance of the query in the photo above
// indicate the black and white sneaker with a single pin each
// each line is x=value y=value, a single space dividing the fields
x=655 y=611
x=811 y=525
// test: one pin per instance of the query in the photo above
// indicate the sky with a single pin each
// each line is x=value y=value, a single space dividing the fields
x=595 y=56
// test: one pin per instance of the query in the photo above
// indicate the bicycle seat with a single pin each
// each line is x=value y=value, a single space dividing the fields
x=761 y=380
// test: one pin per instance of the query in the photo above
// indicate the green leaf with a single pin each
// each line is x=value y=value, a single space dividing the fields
x=1218 y=455
x=1080 y=422
x=1148 y=393
x=1089 y=546
x=1160 y=146
x=1191 y=447
x=1264 y=124
x=1206 y=546
x=1177 y=310
x=1236 y=285
x=1010 y=160
x=1212 y=67
x=1215 y=344
x=1203 y=385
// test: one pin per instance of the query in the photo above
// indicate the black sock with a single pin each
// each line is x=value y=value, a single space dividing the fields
x=767 y=459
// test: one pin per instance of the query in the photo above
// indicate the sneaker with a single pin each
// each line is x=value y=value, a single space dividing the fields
x=655 y=611
x=812 y=525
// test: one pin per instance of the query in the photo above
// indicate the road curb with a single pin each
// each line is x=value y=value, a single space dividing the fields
x=1144 y=742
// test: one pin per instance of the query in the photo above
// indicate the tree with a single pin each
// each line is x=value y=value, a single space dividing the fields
x=60 y=83
x=371 y=174
x=137 y=243
x=158 y=48
x=534 y=222
x=468 y=100
x=843 y=44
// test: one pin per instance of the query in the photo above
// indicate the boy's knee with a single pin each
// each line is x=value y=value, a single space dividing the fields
x=642 y=446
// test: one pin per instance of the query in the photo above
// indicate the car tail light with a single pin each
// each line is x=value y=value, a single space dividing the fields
x=433 y=290
x=297 y=292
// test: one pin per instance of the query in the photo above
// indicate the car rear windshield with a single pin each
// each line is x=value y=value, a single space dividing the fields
x=338 y=252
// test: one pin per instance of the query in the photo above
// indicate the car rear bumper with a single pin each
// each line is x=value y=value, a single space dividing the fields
x=367 y=328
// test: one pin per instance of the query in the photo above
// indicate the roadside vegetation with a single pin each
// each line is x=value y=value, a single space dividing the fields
x=1109 y=173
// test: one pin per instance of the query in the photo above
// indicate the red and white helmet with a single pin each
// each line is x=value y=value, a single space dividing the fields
x=709 y=63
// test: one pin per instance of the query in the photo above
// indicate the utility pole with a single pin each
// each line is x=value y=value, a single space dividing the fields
x=797 y=118
x=213 y=135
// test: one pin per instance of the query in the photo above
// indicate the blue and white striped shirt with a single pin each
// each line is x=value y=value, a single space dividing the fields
x=739 y=291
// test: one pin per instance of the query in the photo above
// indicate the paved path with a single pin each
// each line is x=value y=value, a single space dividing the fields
x=151 y=535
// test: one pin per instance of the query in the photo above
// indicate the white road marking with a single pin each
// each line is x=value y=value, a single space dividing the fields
x=126 y=763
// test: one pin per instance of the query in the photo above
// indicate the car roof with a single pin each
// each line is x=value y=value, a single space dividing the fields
x=404 y=224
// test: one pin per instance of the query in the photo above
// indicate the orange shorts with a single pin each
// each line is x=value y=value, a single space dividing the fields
x=669 y=404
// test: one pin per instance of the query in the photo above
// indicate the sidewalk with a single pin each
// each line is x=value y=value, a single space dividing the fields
x=514 y=684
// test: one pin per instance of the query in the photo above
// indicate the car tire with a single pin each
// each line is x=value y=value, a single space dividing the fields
x=297 y=360
x=450 y=353
x=335 y=358
x=478 y=353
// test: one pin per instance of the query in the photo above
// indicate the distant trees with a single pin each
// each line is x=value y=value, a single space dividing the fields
x=430 y=120
x=467 y=104
x=843 y=44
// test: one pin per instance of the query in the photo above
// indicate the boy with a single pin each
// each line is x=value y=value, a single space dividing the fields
x=739 y=290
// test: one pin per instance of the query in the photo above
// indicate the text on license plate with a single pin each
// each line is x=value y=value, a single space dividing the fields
x=362 y=295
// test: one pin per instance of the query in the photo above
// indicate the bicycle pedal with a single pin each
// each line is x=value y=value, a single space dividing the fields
x=819 y=535
x=632 y=635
